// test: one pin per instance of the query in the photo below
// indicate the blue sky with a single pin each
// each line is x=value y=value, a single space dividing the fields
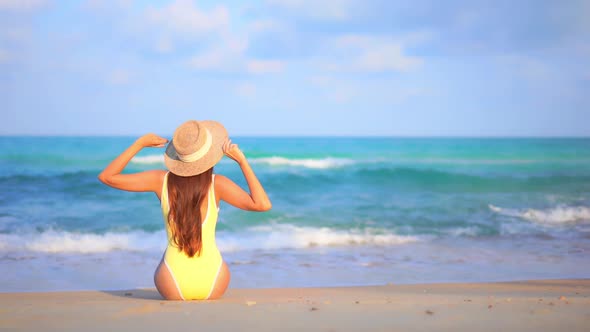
x=295 y=67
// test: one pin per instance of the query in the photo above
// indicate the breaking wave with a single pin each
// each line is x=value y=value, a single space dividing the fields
x=561 y=215
x=319 y=163
x=262 y=237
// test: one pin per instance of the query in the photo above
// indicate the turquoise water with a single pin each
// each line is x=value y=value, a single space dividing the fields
x=346 y=211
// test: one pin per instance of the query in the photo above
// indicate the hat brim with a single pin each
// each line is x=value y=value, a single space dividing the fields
x=212 y=157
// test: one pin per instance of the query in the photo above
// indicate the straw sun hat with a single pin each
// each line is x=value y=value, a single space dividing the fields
x=195 y=147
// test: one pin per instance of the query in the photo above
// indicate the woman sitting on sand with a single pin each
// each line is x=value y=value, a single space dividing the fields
x=189 y=193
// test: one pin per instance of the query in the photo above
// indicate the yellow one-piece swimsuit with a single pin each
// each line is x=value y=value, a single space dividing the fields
x=195 y=276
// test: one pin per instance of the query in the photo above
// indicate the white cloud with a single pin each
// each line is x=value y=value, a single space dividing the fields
x=213 y=59
x=229 y=55
x=205 y=33
x=108 y=4
x=342 y=90
x=330 y=9
x=264 y=66
x=22 y=5
x=233 y=59
x=225 y=56
x=369 y=54
x=183 y=17
x=386 y=57
x=184 y=26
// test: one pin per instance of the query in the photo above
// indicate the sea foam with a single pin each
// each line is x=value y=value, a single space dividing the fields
x=149 y=159
x=71 y=242
x=286 y=236
x=561 y=215
x=255 y=238
x=313 y=163
x=319 y=163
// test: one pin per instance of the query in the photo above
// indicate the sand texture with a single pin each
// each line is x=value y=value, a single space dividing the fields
x=550 y=305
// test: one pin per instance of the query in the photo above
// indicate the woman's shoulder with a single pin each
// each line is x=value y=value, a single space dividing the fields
x=220 y=182
x=157 y=172
x=156 y=176
x=219 y=178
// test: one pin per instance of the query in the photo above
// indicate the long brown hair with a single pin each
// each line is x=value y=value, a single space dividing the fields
x=185 y=195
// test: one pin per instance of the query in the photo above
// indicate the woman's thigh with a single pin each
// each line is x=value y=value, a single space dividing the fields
x=165 y=283
x=221 y=283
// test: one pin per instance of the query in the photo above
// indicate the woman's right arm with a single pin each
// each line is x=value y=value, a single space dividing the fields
x=227 y=190
x=142 y=181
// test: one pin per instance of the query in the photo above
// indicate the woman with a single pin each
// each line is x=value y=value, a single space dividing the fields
x=189 y=193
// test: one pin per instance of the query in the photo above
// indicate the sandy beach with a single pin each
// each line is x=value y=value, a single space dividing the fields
x=548 y=305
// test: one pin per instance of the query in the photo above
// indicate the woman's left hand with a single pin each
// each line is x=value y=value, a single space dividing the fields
x=152 y=140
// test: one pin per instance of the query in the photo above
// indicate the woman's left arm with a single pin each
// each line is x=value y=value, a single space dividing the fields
x=143 y=181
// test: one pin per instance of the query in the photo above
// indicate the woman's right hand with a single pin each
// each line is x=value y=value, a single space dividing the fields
x=142 y=181
x=233 y=151
x=257 y=199
x=152 y=140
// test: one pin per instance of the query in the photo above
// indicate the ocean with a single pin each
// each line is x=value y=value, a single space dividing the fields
x=346 y=211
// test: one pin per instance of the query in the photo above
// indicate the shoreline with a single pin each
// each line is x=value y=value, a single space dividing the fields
x=450 y=283
x=549 y=305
